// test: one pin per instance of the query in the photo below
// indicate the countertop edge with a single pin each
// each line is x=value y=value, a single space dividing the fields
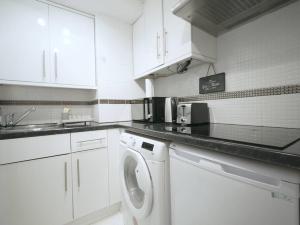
x=261 y=154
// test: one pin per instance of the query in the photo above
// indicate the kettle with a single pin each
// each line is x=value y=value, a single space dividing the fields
x=171 y=110
x=154 y=109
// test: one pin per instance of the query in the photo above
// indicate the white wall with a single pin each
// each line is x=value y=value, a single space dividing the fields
x=263 y=53
x=44 y=93
x=114 y=60
x=115 y=68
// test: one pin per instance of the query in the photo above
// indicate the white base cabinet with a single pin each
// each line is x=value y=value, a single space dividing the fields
x=57 y=179
x=37 y=192
x=90 y=181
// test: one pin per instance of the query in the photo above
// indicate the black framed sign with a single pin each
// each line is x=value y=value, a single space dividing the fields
x=211 y=84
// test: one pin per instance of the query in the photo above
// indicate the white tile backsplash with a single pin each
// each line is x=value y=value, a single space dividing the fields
x=279 y=111
x=114 y=112
x=263 y=53
x=44 y=93
x=276 y=111
x=47 y=114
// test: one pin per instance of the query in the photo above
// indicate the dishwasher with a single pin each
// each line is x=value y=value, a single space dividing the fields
x=210 y=188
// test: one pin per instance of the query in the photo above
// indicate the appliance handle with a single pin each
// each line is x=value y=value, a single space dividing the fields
x=157 y=46
x=227 y=169
x=66 y=176
x=44 y=63
x=146 y=108
x=78 y=173
x=56 y=64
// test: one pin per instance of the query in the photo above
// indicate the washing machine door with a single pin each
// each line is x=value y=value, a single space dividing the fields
x=136 y=184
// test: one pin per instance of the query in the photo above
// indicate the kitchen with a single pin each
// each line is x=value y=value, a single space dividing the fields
x=149 y=112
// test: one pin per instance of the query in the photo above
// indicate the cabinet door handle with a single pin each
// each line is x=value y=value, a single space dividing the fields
x=66 y=176
x=56 y=64
x=157 y=45
x=165 y=44
x=78 y=173
x=44 y=63
x=90 y=142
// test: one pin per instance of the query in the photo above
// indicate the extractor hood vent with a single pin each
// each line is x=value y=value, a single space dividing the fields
x=219 y=16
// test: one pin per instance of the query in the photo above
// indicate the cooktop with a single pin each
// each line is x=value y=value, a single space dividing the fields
x=274 y=137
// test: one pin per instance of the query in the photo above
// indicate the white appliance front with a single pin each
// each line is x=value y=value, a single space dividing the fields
x=136 y=184
x=144 y=181
x=215 y=189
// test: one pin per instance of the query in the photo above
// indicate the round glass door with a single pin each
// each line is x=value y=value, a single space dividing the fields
x=136 y=184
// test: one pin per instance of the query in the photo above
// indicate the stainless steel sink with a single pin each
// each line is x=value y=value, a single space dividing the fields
x=32 y=127
x=45 y=127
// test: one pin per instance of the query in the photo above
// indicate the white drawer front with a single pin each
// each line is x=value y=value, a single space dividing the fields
x=88 y=140
x=21 y=149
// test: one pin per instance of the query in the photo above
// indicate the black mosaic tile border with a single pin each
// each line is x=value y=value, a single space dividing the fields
x=282 y=90
x=114 y=101
x=38 y=102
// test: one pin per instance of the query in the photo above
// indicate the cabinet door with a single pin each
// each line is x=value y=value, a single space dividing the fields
x=90 y=181
x=114 y=165
x=177 y=34
x=24 y=54
x=72 y=48
x=139 y=47
x=36 y=192
x=153 y=33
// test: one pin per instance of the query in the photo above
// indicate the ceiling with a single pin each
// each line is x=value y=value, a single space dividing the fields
x=126 y=10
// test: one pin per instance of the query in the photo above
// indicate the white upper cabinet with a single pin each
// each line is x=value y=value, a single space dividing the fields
x=139 y=48
x=176 y=41
x=153 y=33
x=148 y=41
x=44 y=45
x=24 y=45
x=177 y=34
x=72 y=48
x=182 y=40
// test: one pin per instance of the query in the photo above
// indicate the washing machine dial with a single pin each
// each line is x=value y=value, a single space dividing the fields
x=132 y=142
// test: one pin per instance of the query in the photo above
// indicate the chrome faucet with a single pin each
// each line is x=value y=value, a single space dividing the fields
x=10 y=118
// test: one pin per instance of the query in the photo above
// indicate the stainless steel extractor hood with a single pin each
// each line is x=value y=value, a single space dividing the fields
x=219 y=16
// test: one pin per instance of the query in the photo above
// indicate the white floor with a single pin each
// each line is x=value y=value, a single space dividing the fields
x=116 y=219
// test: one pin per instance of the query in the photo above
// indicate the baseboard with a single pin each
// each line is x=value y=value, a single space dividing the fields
x=97 y=216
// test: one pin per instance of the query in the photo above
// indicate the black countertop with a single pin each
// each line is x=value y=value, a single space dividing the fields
x=279 y=146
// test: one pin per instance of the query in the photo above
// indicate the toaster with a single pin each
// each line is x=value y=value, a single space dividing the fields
x=192 y=113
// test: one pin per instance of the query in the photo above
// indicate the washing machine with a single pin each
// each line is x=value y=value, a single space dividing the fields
x=144 y=180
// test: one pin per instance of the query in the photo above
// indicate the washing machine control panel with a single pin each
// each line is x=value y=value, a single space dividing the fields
x=151 y=148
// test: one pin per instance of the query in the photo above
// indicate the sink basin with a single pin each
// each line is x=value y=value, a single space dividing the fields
x=44 y=127
x=33 y=127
